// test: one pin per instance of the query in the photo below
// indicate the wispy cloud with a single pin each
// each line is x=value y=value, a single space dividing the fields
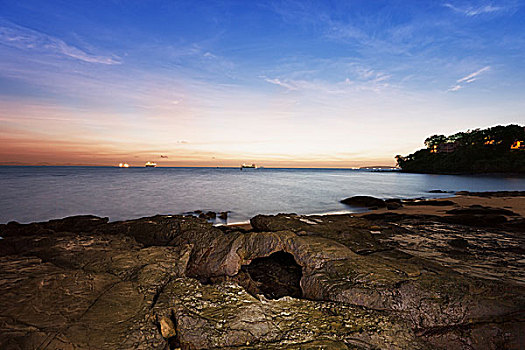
x=455 y=88
x=471 y=11
x=327 y=76
x=24 y=38
x=468 y=79
x=471 y=77
x=284 y=84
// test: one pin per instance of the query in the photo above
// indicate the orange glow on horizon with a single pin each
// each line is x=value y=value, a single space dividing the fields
x=34 y=152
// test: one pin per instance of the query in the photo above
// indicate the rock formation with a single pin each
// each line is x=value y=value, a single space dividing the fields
x=384 y=281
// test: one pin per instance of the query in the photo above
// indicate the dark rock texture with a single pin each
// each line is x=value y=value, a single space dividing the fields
x=481 y=210
x=393 y=204
x=364 y=201
x=384 y=281
x=77 y=224
x=71 y=291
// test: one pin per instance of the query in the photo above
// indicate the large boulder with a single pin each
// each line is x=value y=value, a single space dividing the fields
x=364 y=201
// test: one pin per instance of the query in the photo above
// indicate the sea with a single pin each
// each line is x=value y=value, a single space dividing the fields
x=41 y=193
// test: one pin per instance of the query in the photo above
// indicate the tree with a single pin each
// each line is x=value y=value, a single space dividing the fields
x=435 y=140
x=507 y=135
x=400 y=160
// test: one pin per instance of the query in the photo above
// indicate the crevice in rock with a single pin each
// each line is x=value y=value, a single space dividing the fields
x=158 y=292
x=372 y=251
x=275 y=276
x=104 y=292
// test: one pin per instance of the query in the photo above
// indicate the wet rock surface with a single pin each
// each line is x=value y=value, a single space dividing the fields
x=382 y=281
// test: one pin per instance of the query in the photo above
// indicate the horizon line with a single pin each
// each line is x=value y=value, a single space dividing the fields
x=213 y=167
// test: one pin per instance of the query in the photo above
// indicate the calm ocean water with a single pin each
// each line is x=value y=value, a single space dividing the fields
x=41 y=193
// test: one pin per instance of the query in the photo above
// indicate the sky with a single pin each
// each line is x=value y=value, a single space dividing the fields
x=279 y=83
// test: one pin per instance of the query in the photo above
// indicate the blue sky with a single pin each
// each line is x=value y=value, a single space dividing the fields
x=282 y=83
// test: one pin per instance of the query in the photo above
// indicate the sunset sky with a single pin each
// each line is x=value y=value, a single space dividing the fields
x=279 y=83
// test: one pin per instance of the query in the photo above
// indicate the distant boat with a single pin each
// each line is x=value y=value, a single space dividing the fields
x=123 y=165
x=150 y=165
x=247 y=166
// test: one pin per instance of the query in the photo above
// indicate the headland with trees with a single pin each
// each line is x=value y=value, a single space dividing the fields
x=498 y=149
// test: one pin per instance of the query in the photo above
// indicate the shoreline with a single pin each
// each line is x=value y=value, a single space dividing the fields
x=459 y=197
x=510 y=173
x=36 y=195
x=512 y=203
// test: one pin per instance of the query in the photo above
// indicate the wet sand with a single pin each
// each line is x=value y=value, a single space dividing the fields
x=515 y=204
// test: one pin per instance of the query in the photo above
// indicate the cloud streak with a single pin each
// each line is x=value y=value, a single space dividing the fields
x=13 y=35
x=471 y=77
x=468 y=79
x=319 y=79
x=474 y=11
x=281 y=83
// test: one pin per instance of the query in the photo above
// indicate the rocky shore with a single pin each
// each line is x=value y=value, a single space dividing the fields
x=409 y=275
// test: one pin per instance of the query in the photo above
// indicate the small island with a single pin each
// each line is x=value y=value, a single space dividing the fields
x=499 y=149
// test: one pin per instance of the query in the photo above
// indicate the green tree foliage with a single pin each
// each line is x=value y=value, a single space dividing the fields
x=435 y=140
x=477 y=151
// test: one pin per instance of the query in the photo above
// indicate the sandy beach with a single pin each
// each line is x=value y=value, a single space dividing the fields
x=512 y=203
